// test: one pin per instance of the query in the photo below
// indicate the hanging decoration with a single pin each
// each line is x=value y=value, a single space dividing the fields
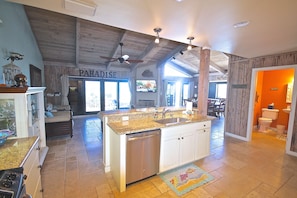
x=10 y=70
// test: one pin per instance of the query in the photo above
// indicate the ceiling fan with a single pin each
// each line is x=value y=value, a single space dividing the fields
x=122 y=58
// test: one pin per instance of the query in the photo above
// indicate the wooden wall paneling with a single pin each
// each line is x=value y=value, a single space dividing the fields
x=237 y=106
x=238 y=97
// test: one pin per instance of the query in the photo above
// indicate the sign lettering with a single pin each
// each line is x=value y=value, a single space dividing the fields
x=97 y=74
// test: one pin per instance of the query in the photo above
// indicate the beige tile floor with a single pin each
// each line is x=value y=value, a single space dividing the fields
x=260 y=168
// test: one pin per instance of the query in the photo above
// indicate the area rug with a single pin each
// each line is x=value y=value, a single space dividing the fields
x=185 y=178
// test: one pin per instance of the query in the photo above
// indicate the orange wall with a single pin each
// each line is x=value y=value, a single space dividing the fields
x=273 y=90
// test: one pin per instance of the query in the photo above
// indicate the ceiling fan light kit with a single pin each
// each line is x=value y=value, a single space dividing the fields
x=123 y=58
x=190 y=38
x=157 y=30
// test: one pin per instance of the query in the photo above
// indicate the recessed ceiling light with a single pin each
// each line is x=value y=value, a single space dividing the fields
x=179 y=0
x=241 y=24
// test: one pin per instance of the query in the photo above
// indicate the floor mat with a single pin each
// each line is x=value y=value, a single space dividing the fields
x=183 y=179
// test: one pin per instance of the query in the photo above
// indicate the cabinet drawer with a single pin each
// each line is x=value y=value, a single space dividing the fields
x=202 y=125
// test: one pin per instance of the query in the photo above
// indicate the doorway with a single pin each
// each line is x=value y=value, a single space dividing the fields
x=89 y=96
x=272 y=91
x=177 y=92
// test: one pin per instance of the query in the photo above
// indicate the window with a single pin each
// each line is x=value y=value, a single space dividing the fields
x=221 y=90
x=171 y=71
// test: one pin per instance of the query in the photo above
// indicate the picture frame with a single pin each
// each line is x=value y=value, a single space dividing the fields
x=35 y=76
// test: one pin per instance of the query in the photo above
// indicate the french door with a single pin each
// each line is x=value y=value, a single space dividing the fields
x=91 y=96
x=117 y=95
x=176 y=93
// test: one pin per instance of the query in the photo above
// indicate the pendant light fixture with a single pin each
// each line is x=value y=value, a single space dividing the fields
x=157 y=30
x=190 y=42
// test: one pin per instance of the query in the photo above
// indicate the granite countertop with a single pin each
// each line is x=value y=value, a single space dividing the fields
x=15 y=151
x=122 y=112
x=146 y=124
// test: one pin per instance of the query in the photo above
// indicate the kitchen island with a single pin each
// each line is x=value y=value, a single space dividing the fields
x=118 y=124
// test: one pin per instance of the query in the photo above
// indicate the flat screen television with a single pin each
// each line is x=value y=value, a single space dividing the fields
x=146 y=86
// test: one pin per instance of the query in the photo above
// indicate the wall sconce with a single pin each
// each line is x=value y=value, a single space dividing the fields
x=190 y=42
x=157 y=30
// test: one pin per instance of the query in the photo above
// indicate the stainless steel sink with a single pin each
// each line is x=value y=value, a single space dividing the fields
x=171 y=121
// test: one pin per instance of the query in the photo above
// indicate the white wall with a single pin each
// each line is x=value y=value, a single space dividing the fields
x=16 y=36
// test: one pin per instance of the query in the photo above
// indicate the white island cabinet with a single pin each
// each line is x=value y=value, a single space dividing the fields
x=183 y=144
x=23 y=113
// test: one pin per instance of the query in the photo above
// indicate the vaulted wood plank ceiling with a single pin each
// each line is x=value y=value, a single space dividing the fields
x=71 y=41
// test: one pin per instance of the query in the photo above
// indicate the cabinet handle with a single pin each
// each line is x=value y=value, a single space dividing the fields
x=39 y=166
x=25 y=177
x=178 y=138
x=182 y=138
x=38 y=148
x=204 y=130
x=41 y=190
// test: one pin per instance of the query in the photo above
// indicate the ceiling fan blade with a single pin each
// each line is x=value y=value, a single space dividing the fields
x=109 y=58
x=135 y=61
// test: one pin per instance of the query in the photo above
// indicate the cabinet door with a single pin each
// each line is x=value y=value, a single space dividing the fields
x=32 y=170
x=202 y=143
x=187 y=147
x=169 y=152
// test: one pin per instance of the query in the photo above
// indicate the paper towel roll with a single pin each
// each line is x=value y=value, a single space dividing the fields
x=189 y=106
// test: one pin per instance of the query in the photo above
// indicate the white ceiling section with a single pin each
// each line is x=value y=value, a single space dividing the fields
x=272 y=28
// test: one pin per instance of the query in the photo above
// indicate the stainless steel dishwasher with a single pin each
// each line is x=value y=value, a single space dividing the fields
x=143 y=153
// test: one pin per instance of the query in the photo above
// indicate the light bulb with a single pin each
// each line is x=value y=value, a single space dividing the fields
x=157 y=40
x=189 y=47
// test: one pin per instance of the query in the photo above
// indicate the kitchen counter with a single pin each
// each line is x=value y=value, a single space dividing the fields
x=148 y=123
x=136 y=112
x=15 y=151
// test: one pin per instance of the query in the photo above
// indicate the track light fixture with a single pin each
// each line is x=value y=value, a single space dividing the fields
x=181 y=52
x=157 y=30
x=190 y=42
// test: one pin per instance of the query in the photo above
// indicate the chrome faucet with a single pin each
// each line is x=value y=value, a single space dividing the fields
x=164 y=112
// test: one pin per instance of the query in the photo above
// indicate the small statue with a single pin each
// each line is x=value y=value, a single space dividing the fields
x=21 y=80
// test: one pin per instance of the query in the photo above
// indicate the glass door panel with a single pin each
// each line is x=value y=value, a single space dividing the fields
x=92 y=96
x=186 y=92
x=111 y=95
x=124 y=95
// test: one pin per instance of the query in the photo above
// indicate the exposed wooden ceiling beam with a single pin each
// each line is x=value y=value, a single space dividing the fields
x=117 y=46
x=144 y=54
x=172 y=53
x=211 y=63
x=182 y=69
x=217 y=67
